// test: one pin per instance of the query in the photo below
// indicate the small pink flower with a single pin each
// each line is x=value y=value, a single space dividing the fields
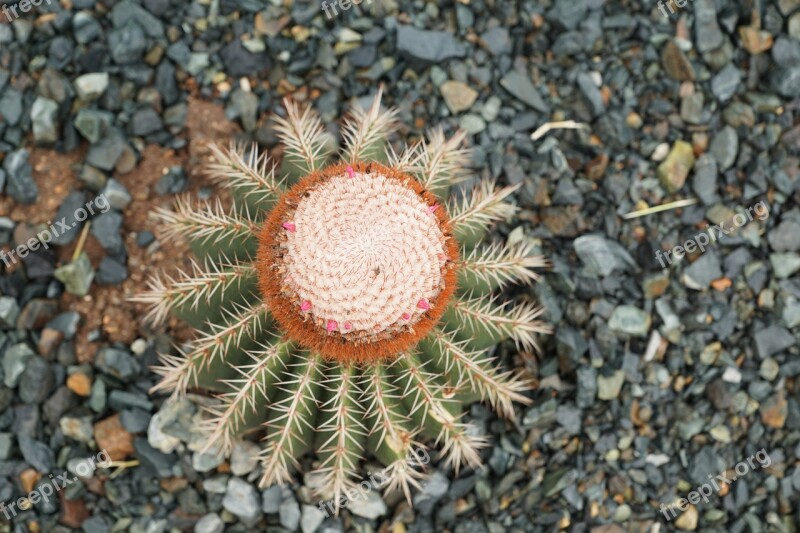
x=332 y=325
x=305 y=305
x=405 y=316
x=348 y=326
x=432 y=209
x=423 y=304
x=350 y=171
x=289 y=226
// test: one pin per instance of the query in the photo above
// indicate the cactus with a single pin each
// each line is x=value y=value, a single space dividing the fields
x=347 y=308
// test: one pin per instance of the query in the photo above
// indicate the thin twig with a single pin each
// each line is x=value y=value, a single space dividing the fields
x=120 y=466
x=545 y=128
x=659 y=208
x=81 y=241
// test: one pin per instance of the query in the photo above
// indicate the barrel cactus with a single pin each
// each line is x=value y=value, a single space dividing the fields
x=346 y=306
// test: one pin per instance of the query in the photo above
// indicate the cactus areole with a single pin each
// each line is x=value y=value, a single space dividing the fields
x=357 y=262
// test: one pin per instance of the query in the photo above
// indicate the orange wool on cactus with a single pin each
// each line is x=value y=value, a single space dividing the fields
x=356 y=262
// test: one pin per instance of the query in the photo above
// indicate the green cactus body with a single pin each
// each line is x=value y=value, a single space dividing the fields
x=347 y=309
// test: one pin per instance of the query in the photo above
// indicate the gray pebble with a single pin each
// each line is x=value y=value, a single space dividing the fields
x=117 y=363
x=106 y=229
x=15 y=361
x=19 y=175
x=242 y=500
x=428 y=45
x=210 y=523
x=36 y=454
x=44 y=119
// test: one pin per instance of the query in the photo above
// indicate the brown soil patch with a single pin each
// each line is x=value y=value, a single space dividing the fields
x=106 y=308
x=207 y=124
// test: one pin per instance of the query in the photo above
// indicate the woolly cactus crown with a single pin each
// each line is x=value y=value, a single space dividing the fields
x=357 y=262
x=351 y=311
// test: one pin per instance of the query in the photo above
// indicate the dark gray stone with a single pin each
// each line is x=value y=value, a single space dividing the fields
x=159 y=462
x=36 y=454
x=179 y=52
x=60 y=52
x=786 y=81
x=773 y=339
x=144 y=238
x=105 y=154
x=67 y=323
x=708 y=35
x=85 y=27
x=568 y=14
x=245 y=104
x=127 y=44
x=11 y=107
x=19 y=175
x=706 y=463
x=428 y=45
x=592 y=94
x=145 y=121
x=9 y=311
x=173 y=182
x=602 y=255
x=587 y=386
x=117 y=195
x=15 y=360
x=570 y=418
x=44 y=120
x=119 y=400
x=785 y=237
x=92 y=124
x=242 y=500
x=128 y=11
x=521 y=87
x=165 y=83
x=106 y=229
x=702 y=272
x=118 y=363
x=497 y=40
x=66 y=212
x=704 y=182
x=134 y=420
x=725 y=147
x=111 y=272
x=36 y=382
x=239 y=61
x=726 y=82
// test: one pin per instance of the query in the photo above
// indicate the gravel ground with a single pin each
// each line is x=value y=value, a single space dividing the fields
x=662 y=375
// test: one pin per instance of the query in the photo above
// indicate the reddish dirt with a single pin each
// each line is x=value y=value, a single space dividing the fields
x=107 y=307
x=55 y=175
